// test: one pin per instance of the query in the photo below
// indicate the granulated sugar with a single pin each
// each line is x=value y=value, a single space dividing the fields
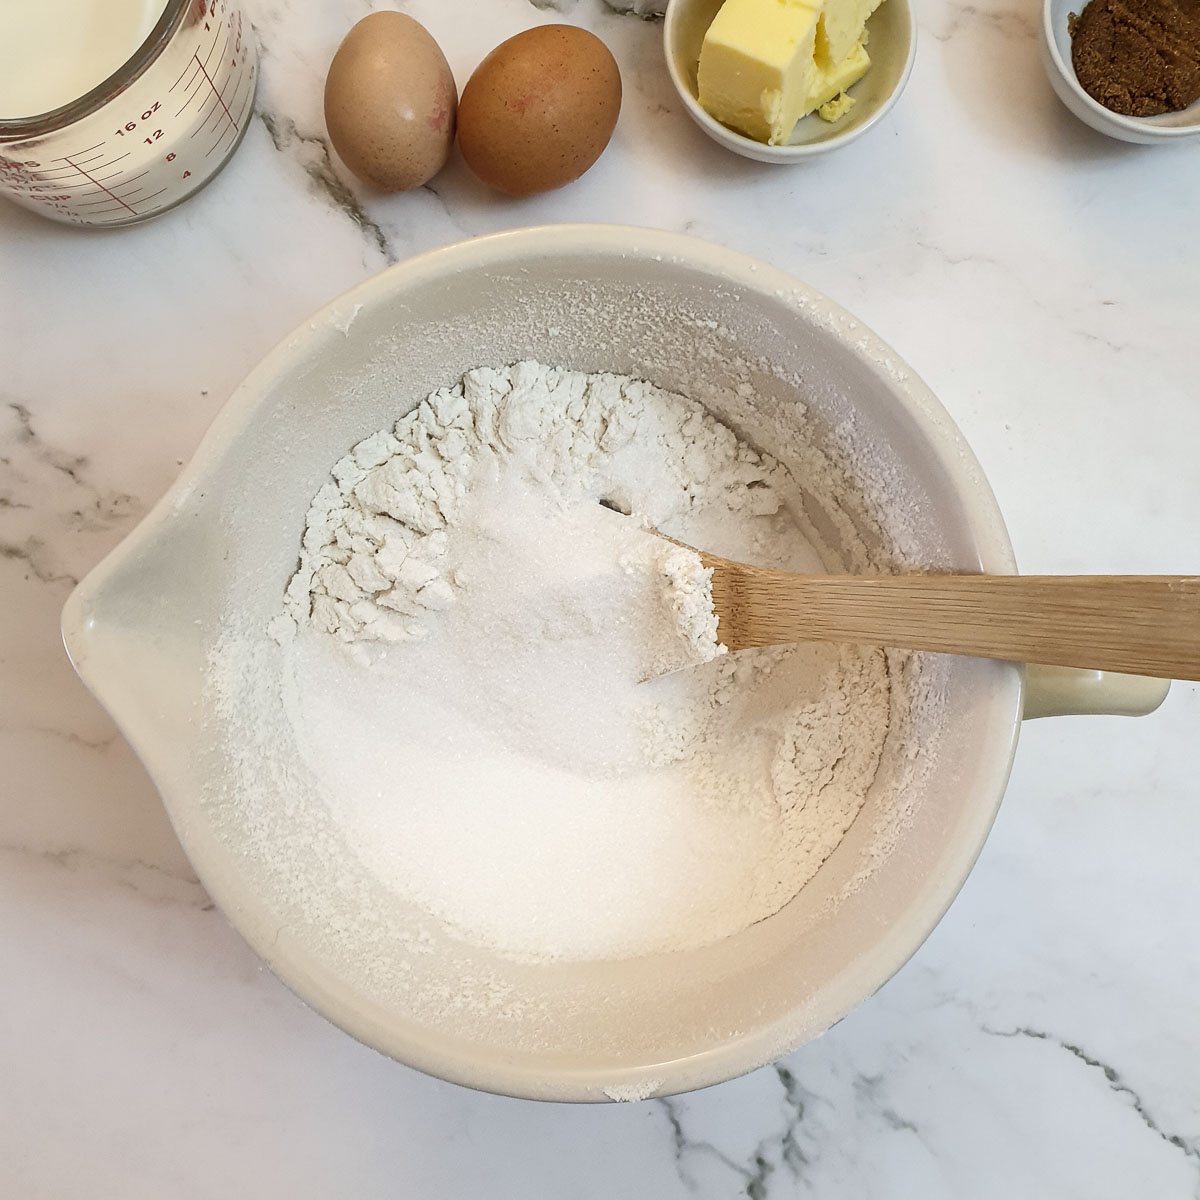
x=464 y=643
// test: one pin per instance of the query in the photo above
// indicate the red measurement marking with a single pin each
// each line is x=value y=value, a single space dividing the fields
x=59 y=184
x=213 y=113
x=62 y=187
x=225 y=132
x=101 y=186
x=216 y=71
x=214 y=121
x=187 y=99
x=78 y=152
x=193 y=70
x=224 y=44
x=216 y=91
x=180 y=79
x=198 y=72
x=240 y=101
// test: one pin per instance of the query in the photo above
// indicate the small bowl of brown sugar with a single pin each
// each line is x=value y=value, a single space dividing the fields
x=1128 y=68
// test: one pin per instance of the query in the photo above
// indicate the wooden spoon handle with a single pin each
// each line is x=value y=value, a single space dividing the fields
x=1139 y=624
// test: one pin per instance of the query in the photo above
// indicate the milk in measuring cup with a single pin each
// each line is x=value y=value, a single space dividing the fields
x=112 y=111
x=54 y=51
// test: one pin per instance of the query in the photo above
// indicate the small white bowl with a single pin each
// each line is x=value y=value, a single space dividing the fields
x=1056 y=57
x=892 y=46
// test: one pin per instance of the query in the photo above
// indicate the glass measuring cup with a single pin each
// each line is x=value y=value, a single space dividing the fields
x=147 y=137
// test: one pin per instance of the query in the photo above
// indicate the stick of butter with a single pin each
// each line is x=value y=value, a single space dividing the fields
x=765 y=64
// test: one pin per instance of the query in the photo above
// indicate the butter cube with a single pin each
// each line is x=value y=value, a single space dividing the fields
x=827 y=85
x=758 y=66
x=840 y=30
x=765 y=64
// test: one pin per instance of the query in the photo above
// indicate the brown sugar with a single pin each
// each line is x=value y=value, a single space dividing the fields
x=1138 y=57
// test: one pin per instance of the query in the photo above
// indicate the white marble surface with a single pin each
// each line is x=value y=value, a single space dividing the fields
x=1045 y=1042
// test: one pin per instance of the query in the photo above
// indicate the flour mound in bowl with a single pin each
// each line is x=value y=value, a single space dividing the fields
x=477 y=605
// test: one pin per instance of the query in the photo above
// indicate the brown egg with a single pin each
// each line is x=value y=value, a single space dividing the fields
x=390 y=102
x=540 y=109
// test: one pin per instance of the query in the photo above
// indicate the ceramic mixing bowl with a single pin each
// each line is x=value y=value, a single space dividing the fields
x=217 y=551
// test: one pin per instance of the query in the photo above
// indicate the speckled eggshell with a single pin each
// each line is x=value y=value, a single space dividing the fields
x=390 y=102
x=540 y=109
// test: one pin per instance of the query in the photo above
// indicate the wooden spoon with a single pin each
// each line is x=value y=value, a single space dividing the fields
x=1138 y=624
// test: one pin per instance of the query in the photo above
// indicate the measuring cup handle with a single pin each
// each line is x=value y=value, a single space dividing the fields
x=1066 y=691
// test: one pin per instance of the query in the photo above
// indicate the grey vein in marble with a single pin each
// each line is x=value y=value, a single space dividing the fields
x=33 y=466
x=648 y=10
x=38 y=560
x=775 y=1151
x=1115 y=1083
x=145 y=879
x=69 y=465
x=686 y=1147
x=868 y=1087
x=70 y=737
x=1008 y=24
x=1034 y=297
x=795 y=1098
x=956 y=260
x=312 y=153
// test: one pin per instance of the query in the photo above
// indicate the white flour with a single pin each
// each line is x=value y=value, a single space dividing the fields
x=465 y=637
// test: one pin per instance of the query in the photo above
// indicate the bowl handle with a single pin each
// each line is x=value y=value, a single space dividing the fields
x=1066 y=691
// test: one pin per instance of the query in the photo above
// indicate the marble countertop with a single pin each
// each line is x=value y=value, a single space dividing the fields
x=1045 y=1042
